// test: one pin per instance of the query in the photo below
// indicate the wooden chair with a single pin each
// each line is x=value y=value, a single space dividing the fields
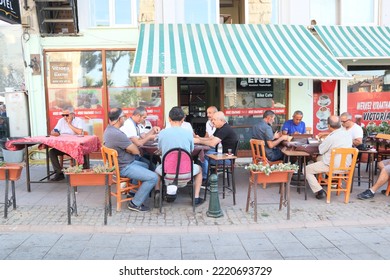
x=383 y=152
x=110 y=158
x=258 y=154
x=388 y=189
x=308 y=130
x=338 y=175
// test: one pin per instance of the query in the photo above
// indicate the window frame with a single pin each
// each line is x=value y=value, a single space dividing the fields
x=112 y=15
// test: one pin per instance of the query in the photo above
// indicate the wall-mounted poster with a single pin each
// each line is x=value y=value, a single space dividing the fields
x=323 y=98
x=61 y=72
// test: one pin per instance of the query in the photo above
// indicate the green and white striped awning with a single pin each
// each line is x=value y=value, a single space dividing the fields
x=356 y=42
x=233 y=50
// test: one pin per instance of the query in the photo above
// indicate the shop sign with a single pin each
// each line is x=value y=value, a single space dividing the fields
x=255 y=84
x=253 y=111
x=10 y=11
x=61 y=72
x=374 y=107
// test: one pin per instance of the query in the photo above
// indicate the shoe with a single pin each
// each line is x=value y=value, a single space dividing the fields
x=366 y=194
x=321 y=194
x=198 y=201
x=136 y=208
x=383 y=192
x=204 y=182
x=58 y=177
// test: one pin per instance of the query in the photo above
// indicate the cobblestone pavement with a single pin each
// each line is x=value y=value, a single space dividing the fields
x=316 y=230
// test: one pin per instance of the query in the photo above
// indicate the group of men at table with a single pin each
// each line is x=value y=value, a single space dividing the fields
x=128 y=134
x=342 y=133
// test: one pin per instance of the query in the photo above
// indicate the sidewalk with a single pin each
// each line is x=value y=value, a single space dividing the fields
x=38 y=228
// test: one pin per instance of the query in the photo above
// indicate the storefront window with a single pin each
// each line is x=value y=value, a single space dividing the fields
x=130 y=92
x=75 y=81
x=246 y=100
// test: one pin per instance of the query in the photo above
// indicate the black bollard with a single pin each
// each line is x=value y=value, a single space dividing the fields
x=214 y=206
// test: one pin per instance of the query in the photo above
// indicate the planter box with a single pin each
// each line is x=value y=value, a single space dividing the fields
x=89 y=178
x=274 y=177
x=14 y=171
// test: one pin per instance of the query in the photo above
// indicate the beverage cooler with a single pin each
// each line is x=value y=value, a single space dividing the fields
x=17 y=112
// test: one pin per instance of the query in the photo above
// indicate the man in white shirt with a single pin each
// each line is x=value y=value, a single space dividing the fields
x=352 y=128
x=210 y=128
x=132 y=131
x=68 y=124
x=337 y=138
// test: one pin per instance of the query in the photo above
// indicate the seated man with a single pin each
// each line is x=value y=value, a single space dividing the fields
x=295 y=125
x=352 y=128
x=132 y=131
x=383 y=178
x=223 y=134
x=68 y=124
x=337 y=138
x=178 y=137
x=263 y=131
x=129 y=167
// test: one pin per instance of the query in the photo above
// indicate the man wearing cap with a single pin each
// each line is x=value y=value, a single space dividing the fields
x=68 y=124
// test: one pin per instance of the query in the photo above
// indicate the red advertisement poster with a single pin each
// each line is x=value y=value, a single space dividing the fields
x=86 y=103
x=374 y=107
x=322 y=108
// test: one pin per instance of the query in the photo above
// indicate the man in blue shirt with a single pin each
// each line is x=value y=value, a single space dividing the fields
x=295 y=125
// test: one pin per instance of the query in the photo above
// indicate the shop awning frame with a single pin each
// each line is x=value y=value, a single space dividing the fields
x=233 y=50
x=356 y=42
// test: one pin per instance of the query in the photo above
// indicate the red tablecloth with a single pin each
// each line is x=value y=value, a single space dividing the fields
x=73 y=145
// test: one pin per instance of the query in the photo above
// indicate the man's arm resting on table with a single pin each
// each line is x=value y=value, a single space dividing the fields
x=357 y=141
x=273 y=143
x=139 y=141
x=133 y=149
x=210 y=141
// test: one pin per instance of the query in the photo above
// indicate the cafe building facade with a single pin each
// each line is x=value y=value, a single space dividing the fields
x=228 y=55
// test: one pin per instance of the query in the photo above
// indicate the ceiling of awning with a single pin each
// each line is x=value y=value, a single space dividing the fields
x=233 y=50
x=356 y=42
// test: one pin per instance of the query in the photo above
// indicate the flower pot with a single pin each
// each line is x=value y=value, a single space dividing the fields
x=89 y=178
x=14 y=171
x=274 y=177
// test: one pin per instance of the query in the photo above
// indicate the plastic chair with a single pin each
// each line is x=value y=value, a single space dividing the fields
x=383 y=152
x=338 y=175
x=177 y=169
x=110 y=158
x=258 y=154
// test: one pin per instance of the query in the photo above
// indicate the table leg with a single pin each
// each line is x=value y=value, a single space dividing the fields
x=28 y=182
x=233 y=184
x=304 y=176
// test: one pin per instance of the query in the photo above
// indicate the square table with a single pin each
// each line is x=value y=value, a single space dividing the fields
x=223 y=157
x=300 y=155
x=73 y=145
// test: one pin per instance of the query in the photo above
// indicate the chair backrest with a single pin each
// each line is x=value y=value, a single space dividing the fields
x=346 y=157
x=235 y=149
x=258 y=151
x=308 y=129
x=177 y=166
x=383 y=136
x=110 y=158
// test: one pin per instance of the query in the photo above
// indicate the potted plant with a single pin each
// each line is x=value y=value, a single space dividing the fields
x=77 y=176
x=272 y=173
x=14 y=171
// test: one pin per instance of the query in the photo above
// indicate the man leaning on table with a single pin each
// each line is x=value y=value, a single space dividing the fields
x=68 y=124
x=129 y=167
x=176 y=136
x=223 y=134
x=263 y=131
x=337 y=138
x=295 y=125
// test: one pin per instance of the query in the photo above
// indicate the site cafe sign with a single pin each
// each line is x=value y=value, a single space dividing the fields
x=10 y=11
